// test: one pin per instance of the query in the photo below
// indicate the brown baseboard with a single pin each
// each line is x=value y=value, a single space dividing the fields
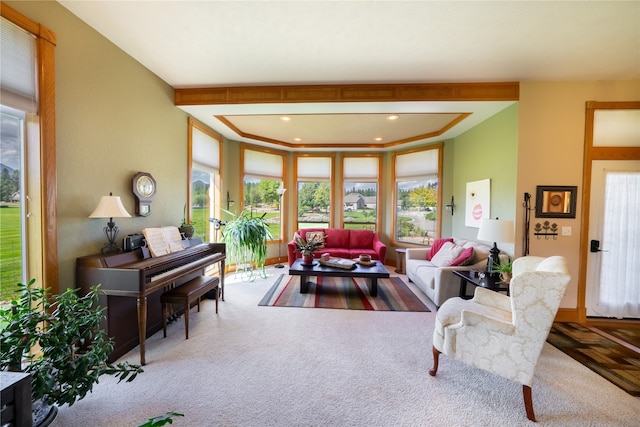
x=567 y=315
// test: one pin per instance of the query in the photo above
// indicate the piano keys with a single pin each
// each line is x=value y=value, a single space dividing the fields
x=132 y=286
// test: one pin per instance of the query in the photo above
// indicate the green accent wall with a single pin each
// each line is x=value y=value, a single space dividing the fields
x=486 y=151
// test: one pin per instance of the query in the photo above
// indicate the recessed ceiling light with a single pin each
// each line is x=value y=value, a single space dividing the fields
x=285 y=118
x=393 y=117
x=378 y=139
x=297 y=139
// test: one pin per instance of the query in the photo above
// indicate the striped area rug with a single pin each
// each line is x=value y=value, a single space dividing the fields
x=343 y=293
x=616 y=363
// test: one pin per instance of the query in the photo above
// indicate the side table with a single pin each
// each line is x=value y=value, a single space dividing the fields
x=469 y=276
x=400 y=260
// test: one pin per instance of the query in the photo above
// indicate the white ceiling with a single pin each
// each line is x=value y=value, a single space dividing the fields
x=254 y=43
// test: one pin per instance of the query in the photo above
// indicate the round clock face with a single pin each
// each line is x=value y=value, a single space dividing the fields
x=145 y=186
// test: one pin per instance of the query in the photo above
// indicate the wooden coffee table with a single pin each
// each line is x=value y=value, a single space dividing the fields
x=373 y=273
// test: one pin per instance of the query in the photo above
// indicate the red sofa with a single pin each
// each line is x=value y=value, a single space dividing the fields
x=343 y=243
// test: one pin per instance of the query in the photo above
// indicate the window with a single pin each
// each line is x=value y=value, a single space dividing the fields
x=417 y=195
x=205 y=181
x=313 y=189
x=25 y=87
x=263 y=176
x=360 y=198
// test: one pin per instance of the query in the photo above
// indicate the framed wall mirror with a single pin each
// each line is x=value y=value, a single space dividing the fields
x=556 y=201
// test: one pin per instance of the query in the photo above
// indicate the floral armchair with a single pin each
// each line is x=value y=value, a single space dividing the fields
x=503 y=334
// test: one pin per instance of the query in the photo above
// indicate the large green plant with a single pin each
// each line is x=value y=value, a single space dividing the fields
x=73 y=349
x=246 y=238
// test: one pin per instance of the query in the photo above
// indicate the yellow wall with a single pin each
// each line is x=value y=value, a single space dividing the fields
x=551 y=134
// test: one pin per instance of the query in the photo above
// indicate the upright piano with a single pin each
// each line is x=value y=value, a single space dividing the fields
x=131 y=286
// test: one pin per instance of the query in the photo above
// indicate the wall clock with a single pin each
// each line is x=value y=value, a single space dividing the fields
x=144 y=188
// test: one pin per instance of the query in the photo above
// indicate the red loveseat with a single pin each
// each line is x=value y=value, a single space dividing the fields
x=343 y=243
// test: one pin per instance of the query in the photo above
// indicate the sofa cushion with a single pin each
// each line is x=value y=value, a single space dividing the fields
x=337 y=238
x=465 y=257
x=303 y=232
x=362 y=239
x=447 y=254
x=319 y=235
x=435 y=247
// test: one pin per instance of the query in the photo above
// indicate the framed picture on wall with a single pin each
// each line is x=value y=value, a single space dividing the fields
x=554 y=201
x=477 y=203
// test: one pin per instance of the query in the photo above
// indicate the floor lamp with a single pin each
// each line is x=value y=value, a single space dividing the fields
x=281 y=192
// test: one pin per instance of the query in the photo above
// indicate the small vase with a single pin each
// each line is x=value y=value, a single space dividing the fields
x=506 y=277
x=307 y=259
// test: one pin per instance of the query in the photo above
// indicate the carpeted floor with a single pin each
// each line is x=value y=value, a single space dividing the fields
x=344 y=293
x=258 y=366
x=609 y=359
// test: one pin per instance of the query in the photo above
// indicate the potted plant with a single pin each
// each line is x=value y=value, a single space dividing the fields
x=504 y=269
x=246 y=238
x=307 y=247
x=58 y=341
x=186 y=227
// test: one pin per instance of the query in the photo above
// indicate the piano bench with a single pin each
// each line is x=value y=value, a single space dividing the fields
x=186 y=294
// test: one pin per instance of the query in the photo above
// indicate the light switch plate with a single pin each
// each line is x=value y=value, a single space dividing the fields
x=566 y=231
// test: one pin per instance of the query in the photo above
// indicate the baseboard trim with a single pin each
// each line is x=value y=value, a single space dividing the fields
x=567 y=315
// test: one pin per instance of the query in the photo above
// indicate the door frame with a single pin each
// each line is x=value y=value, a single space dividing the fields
x=592 y=153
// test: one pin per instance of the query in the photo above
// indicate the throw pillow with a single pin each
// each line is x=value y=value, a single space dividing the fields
x=435 y=247
x=447 y=254
x=318 y=236
x=465 y=258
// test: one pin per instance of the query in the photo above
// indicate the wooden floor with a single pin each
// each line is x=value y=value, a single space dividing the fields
x=629 y=327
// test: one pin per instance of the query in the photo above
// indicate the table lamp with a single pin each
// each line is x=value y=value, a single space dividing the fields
x=110 y=207
x=495 y=230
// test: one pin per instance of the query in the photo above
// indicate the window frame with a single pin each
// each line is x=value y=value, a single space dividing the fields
x=282 y=178
x=377 y=180
x=330 y=180
x=42 y=265
x=439 y=207
x=215 y=212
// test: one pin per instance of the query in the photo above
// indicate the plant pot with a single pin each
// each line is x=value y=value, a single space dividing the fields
x=187 y=230
x=43 y=414
x=506 y=277
x=307 y=259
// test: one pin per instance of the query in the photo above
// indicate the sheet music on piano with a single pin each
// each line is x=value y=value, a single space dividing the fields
x=163 y=240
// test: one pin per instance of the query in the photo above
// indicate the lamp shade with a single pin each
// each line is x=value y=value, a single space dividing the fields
x=110 y=207
x=281 y=191
x=496 y=230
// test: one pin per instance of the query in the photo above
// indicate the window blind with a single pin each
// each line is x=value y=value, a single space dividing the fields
x=420 y=164
x=18 y=84
x=261 y=164
x=360 y=168
x=314 y=168
x=205 y=150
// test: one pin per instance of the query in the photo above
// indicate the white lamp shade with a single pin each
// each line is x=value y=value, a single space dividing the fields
x=110 y=207
x=496 y=230
x=281 y=191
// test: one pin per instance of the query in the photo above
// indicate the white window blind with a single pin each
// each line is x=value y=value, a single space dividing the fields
x=314 y=168
x=361 y=168
x=417 y=165
x=18 y=77
x=205 y=150
x=261 y=164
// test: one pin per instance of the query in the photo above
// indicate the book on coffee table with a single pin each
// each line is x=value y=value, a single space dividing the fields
x=347 y=264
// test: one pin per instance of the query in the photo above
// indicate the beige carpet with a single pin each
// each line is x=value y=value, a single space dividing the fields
x=270 y=366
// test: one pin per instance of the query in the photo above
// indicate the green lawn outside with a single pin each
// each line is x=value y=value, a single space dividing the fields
x=10 y=251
